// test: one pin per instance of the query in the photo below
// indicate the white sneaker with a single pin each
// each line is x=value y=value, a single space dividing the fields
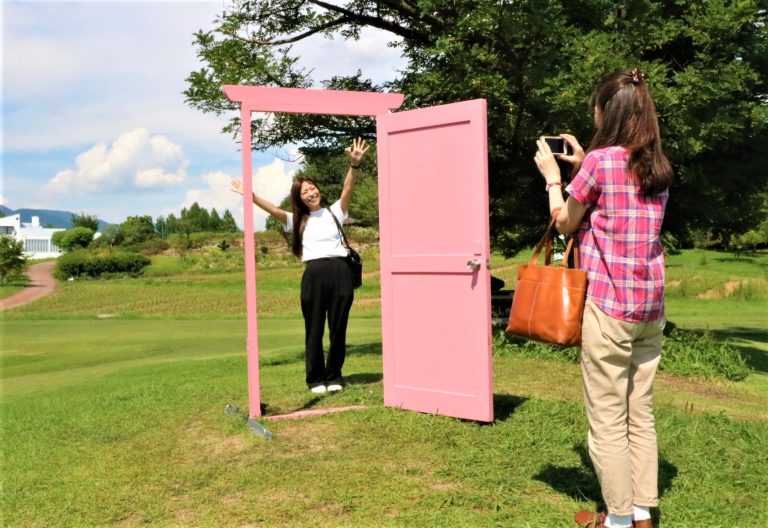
x=320 y=389
x=334 y=387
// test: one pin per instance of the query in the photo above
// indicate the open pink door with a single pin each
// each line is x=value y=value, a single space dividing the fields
x=435 y=249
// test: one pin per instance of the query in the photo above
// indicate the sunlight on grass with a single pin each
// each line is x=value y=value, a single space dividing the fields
x=114 y=394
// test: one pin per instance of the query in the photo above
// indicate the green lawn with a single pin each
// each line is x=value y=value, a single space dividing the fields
x=13 y=286
x=120 y=420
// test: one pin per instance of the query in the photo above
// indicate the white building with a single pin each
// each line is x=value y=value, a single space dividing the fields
x=36 y=239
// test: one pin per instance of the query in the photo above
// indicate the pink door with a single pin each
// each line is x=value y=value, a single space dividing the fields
x=435 y=282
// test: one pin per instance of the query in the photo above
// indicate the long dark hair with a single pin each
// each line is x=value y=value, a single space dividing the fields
x=300 y=214
x=628 y=119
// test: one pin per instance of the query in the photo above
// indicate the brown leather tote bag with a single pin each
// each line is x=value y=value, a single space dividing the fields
x=548 y=302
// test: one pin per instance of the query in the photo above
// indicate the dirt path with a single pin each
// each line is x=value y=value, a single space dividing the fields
x=41 y=283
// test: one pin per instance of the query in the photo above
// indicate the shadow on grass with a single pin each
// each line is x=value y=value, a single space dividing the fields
x=363 y=378
x=504 y=405
x=580 y=483
x=735 y=259
x=756 y=358
x=282 y=359
x=364 y=349
x=310 y=404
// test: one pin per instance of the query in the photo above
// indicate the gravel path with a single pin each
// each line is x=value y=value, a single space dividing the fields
x=41 y=283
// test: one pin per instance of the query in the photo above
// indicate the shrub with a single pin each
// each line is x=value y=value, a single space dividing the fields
x=685 y=353
x=670 y=244
x=152 y=246
x=72 y=239
x=201 y=239
x=12 y=258
x=362 y=235
x=700 y=355
x=746 y=243
x=84 y=264
x=704 y=239
x=214 y=259
x=272 y=240
x=505 y=344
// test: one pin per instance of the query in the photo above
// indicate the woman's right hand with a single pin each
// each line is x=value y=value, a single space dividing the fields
x=236 y=186
x=577 y=157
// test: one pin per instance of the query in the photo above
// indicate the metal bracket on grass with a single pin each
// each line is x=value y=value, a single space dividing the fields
x=259 y=429
x=255 y=426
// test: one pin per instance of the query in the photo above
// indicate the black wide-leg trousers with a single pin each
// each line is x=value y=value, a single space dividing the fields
x=326 y=290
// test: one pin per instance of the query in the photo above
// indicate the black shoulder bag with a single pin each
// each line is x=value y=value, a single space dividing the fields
x=354 y=261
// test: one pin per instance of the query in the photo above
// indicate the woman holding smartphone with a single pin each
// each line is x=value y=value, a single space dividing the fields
x=616 y=201
x=326 y=287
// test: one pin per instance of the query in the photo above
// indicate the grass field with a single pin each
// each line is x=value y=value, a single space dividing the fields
x=114 y=396
x=12 y=286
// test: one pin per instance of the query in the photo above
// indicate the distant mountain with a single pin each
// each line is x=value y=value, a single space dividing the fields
x=48 y=217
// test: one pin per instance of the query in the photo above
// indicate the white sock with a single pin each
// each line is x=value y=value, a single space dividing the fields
x=641 y=513
x=618 y=521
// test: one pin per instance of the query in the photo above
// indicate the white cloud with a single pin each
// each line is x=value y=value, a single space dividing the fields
x=4 y=201
x=272 y=182
x=135 y=159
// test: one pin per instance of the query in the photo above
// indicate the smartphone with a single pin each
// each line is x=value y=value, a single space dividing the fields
x=557 y=144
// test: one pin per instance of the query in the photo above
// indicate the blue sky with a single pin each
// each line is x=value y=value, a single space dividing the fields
x=93 y=119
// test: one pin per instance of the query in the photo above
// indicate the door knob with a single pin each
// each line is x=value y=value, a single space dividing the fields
x=473 y=265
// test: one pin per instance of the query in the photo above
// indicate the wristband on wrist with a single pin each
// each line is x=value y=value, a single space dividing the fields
x=553 y=184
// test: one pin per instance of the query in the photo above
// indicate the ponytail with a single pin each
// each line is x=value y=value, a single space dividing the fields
x=628 y=119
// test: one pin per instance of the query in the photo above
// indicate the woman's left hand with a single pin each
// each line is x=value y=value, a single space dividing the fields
x=357 y=150
x=546 y=162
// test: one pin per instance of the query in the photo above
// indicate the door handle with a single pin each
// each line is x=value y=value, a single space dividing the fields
x=473 y=265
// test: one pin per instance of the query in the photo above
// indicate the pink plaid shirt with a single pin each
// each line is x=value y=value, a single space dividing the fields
x=619 y=238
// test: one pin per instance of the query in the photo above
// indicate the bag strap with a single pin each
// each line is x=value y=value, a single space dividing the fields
x=344 y=241
x=546 y=243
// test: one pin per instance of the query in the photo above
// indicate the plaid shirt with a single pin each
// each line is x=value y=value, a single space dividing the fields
x=619 y=238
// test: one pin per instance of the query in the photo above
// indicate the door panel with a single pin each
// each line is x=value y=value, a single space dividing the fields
x=433 y=210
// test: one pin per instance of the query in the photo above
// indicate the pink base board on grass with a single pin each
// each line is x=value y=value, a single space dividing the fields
x=313 y=412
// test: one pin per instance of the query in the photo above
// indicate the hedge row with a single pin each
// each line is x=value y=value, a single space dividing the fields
x=85 y=264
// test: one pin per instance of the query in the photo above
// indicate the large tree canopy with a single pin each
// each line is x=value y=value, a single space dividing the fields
x=536 y=63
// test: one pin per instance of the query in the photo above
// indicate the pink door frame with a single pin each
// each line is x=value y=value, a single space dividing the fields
x=289 y=100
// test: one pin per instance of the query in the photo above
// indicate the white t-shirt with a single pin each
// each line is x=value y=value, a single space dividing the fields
x=321 y=236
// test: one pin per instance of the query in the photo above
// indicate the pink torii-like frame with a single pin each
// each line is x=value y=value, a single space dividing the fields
x=288 y=100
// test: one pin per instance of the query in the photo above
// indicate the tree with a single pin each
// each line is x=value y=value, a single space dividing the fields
x=12 y=258
x=137 y=229
x=215 y=221
x=161 y=227
x=535 y=63
x=172 y=224
x=228 y=224
x=197 y=218
x=83 y=220
x=194 y=220
x=112 y=236
x=75 y=238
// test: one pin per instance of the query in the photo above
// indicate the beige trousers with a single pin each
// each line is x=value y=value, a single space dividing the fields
x=618 y=366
